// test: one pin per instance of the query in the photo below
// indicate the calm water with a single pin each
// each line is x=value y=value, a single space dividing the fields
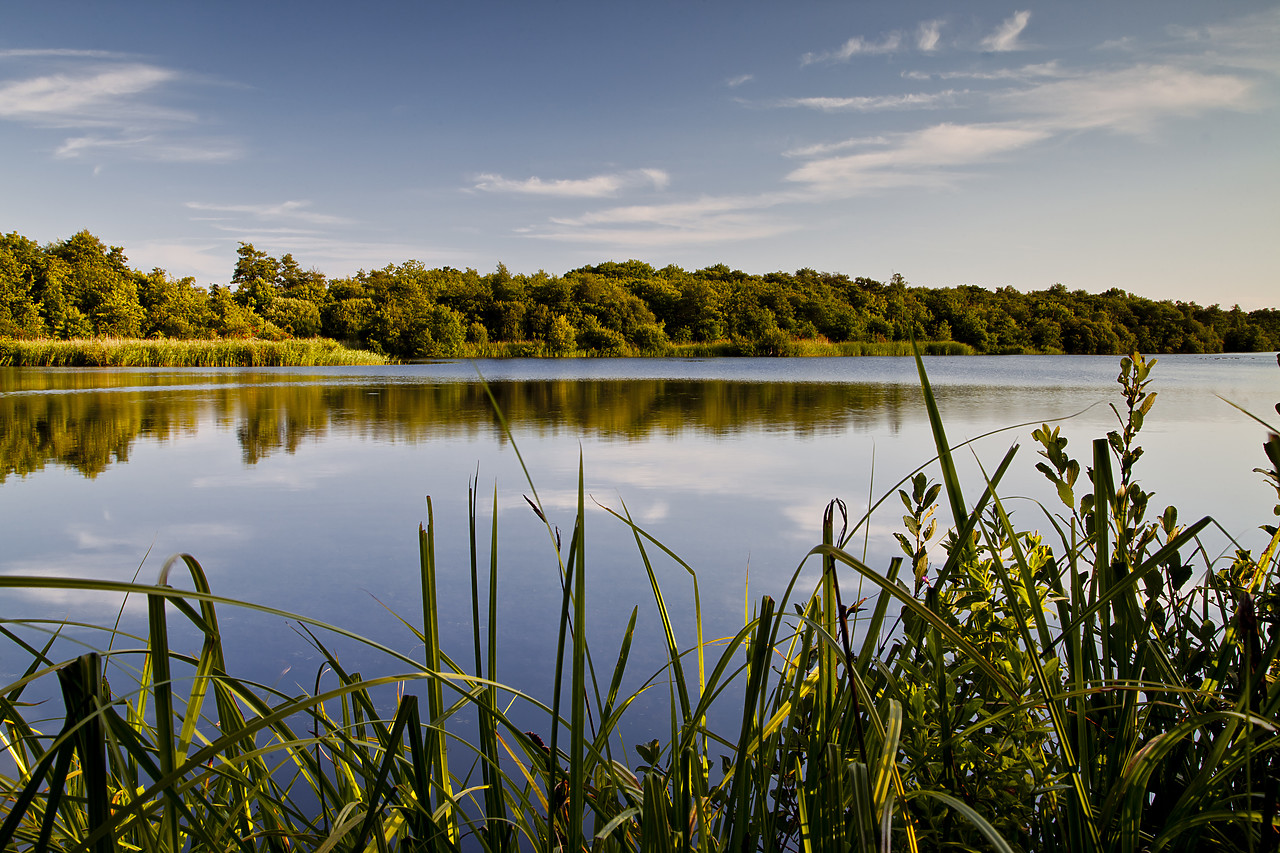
x=303 y=488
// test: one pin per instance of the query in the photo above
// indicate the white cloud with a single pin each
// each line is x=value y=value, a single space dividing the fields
x=30 y=53
x=855 y=46
x=154 y=147
x=735 y=82
x=710 y=219
x=598 y=186
x=117 y=98
x=1026 y=72
x=928 y=35
x=824 y=148
x=296 y=210
x=920 y=158
x=915 y=100
x=90 y=97
x=1022 y=107
x=680 y=214
x=1005 y=38
x=1130 y=100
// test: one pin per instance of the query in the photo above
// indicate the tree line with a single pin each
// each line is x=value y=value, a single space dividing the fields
x=80 y=287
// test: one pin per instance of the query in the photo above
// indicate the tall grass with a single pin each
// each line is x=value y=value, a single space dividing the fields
x=125 y=352
x=1109 y=691
x=717 y=349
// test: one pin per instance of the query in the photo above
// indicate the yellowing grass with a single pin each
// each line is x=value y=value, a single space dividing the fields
x=124 y=352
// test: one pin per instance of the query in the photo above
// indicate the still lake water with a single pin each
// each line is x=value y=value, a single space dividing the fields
x=302 y=488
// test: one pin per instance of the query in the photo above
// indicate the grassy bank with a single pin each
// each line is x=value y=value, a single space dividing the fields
x=125 y=352
x=307 y=352
x=1101 y=686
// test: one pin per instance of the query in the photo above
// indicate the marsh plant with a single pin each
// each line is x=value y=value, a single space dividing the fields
x=171 y=352
x=1097 y=684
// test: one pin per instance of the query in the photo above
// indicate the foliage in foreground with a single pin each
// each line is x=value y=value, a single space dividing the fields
x=1100 y=688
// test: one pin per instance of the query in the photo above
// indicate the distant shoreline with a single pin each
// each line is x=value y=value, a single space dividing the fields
x=317 y=352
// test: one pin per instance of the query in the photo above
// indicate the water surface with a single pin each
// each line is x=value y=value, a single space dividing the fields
x=302 y=488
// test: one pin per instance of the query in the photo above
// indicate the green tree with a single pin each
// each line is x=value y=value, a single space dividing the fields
x=297 y=317
x=296 y=283
x=21 y=268
x=256 y=279
x=560 y=336
x=175 y=308
x=98 y=283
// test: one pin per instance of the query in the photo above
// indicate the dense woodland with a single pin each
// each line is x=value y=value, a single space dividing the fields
x=79 y=287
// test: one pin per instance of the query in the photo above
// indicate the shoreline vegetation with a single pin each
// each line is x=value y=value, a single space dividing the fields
x=117 y=352
x=80 y=288
x=1102 y=683
x=322 y=352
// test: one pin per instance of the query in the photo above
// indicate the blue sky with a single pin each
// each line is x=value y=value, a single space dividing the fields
x=1095 y=144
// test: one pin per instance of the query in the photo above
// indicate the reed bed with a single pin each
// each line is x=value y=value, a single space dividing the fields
x=125 y=352
x=1101 y=687
x=718 y=349
x=824 y=348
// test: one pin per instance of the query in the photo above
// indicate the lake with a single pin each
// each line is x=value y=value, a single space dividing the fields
x=303 y=488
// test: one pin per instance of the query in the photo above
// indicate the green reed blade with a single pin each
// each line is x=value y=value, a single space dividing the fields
x=406 y=714
x=739 y=794
x=950 y=479
x=673 y=650
x=162 y=694
x=994 y=838
x=883 y=769
x=498 y=829
x=577 y=733
x=432 y=658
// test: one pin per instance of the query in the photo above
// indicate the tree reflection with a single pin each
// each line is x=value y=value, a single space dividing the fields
x=89 y=421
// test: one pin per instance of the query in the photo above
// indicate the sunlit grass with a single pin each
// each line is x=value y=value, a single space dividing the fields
x=125 y=352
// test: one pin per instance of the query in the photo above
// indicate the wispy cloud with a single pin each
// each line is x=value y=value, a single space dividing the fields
x=1027 y=72
x=288 y=210
x=928 y=34
x=920 y=158
x=33 y=53
x=824 y=148
x=872 y=103
x=856 y=46
x=155 y=146
x=735 y=82
x=1010 y=112
x=1248 y=42
x=121 y=102
x=707 y=220
x=88 y=97
x=1006 y=36
x=1130 y=100
x=597 y=186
